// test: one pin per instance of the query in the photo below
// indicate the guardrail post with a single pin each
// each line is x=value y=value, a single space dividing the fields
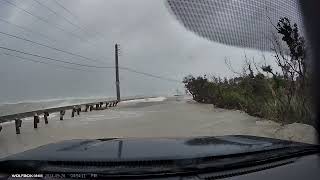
x=106 y=105
x=18 y=123
x=45 y=116
x=36 y=120
x=62 y=112
x=73 y=111
x=78 y=110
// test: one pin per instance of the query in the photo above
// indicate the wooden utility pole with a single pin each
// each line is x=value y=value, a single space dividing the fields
x=117 y=71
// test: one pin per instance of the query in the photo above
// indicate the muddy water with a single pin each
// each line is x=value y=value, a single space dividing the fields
x=170 y=118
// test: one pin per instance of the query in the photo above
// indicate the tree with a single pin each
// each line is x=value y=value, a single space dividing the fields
x=292 y=85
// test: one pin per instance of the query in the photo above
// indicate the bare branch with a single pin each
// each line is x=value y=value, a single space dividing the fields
x=228 y=63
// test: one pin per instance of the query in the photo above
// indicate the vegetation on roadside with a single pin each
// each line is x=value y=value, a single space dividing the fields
x=282 y=96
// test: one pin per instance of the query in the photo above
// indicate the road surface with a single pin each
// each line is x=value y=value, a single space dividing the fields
x=172 y=117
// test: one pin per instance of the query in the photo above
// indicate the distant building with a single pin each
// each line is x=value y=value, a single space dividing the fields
x=242 y=23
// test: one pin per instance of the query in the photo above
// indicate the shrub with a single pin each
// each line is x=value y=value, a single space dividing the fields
x=283 y=97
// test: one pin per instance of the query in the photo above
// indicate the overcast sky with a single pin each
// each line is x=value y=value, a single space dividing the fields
x=151 y=40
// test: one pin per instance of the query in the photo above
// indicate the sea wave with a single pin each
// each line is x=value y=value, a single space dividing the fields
x=26 y=106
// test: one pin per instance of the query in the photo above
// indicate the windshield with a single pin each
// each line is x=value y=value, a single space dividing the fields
x=94 y=69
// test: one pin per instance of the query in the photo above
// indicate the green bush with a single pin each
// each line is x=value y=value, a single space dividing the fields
x=232 y=100
x=284 y=97
x=252 y=95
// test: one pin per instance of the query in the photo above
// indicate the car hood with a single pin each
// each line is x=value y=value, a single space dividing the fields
x=140 y=149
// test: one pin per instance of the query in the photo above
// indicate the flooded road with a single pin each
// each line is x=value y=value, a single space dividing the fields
x=158 y=117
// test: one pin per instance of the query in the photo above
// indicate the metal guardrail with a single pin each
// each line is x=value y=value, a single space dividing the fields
x=12 y=117
x=76 y=108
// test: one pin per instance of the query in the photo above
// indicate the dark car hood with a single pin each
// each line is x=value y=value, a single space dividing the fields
x=139 y=149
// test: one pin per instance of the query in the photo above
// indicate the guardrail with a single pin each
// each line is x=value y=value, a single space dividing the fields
x=11 y=117
x=76 y=108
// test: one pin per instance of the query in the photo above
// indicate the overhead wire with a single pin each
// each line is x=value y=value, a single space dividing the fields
x=64 y=8
x=90 y=66
x=27 y=29
x=70 y=53
x=42 y=62
x=77 y=18
x=50 y=47
x=148 y=74
x=123 y=68
x=57 y=60
x=45 y=20
x=57 y=14
x=55 y=25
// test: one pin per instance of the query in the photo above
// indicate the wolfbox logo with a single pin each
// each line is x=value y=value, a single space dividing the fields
x=27 y=175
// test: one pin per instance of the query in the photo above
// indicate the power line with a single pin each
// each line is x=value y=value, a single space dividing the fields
x=70 y=53
x=55 y=25
x=27 y=29
x=42 y=62
x=64 y=8
x=76 y=17
x=91 y=66
x=38 y=33
x=50 y=47
x=148 y=74
x=69 y=12
x=57 y=14
x=44 y=20
x=57 y=60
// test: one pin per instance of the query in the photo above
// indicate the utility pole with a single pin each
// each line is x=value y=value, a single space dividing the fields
x=117 y=71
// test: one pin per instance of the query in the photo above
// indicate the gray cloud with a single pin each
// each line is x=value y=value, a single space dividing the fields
x=151 y=40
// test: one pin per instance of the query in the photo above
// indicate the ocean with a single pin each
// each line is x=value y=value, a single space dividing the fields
x=26 y=106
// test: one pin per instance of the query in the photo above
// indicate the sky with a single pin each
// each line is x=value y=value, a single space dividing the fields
x=151 y=40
